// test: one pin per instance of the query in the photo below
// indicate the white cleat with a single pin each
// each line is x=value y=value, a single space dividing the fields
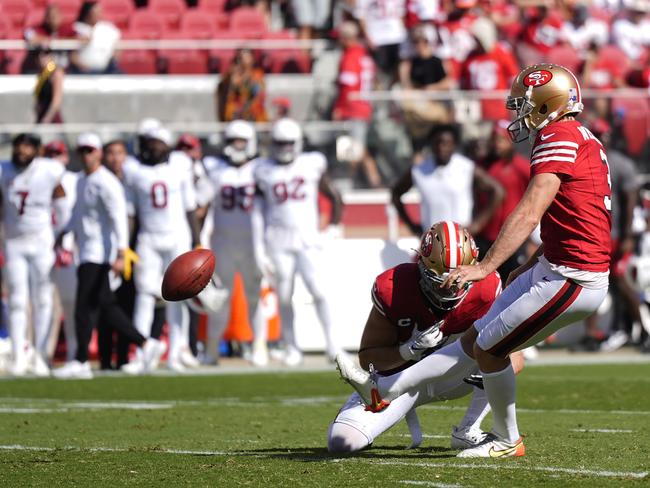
x=39 y=366
x=152 y=351
x=188 y=360
x=74 y=370
x=134 y=368
x=260 y=354
x=466 y=438
x=176 y=366
x=18 y=368
x=493 y=447
x=293 y=356
x=365 y=383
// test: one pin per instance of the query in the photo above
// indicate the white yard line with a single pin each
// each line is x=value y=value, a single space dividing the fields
x=500 y=465
x=496 y=466
x=428 y=483
x=605 y=431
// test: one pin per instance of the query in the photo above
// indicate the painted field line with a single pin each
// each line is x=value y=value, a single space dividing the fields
x=425 y=436
x=20 y=447
x=497 y=466
x=547 y=410
x=428 y=483
x=605 y=431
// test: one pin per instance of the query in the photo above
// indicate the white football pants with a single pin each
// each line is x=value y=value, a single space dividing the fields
x=65 y=280
x=29 y=262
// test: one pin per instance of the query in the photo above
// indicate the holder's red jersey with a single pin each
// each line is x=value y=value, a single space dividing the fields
x=396 y=294
x=576 y=226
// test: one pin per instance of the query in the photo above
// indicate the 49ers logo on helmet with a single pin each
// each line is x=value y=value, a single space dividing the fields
x=538 y=78
x=427 y=244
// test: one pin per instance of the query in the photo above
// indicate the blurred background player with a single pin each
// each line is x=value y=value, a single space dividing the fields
x=64 y=274
x=412 y=317
x=446 y=181
x=99 y=222
x=289 y=181
x=162 y=198
x=31 y=192
x=234 y=213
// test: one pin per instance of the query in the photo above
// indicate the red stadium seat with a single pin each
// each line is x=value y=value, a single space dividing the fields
x=117 y=11
x=187 y=62
x=635 y=115
x=198 y=24
x=170 y=11
x=285 y=60
x=15 y=11
x=219 y=60
x=35 y=17
x=214 y=6
x=565 y=56
x=69 y=9
x=13 y=61
x=248 y=22
x=138 y=62
x=145 y=24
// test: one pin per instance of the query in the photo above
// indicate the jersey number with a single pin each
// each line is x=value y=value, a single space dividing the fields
x=607 y=199
x=159 y=195
x=237 y=196
x=293 y=190
x=21 y=200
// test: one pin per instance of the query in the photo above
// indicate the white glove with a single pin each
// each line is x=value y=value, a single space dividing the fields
x=421 y=341
x=333 y=231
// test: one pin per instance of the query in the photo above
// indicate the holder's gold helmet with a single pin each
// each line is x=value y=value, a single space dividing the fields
x=541 y=94
x=445 y=246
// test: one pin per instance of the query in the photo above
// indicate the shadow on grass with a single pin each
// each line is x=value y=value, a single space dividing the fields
x=319 y=454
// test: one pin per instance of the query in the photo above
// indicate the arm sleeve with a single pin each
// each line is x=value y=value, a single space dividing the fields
x=115 y=202
x=554 y=151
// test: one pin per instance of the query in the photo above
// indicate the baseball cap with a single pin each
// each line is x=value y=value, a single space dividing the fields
x=55 y=147
x=188 y=140
x=89 y=139
x=147 y=125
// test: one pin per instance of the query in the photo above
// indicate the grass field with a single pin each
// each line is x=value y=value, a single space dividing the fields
x=585 y=426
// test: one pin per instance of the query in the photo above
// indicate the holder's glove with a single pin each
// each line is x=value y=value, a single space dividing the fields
x=422 y=341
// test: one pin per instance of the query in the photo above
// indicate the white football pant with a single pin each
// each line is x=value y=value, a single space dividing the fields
x=65 y=280
x=306 y=262
x=29 y=262
x=233 y=257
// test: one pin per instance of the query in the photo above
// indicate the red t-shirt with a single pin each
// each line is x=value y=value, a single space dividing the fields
x=488 y=72
x=513 y=176
x=356 y=74
x=396 y=294
x=576 y=226
x=544 y=34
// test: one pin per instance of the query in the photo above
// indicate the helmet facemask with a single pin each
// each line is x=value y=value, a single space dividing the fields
x=284 y=152
x=523 y=106
x=442 y=298
x=236 y=150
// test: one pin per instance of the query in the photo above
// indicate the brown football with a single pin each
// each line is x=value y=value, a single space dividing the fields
x=187 y=275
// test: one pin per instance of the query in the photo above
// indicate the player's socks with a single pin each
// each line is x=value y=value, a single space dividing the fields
x=323 y=312
x=69 y=330
x=286 y=320
x=143 y=313
x=500 y=390
x=178 y=333
x=476 y=412
x=449 y=361
x=18 y=334
x=42 y=317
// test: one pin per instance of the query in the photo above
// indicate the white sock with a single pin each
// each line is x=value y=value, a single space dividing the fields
x=323 y=312
x=175 y=319
x=69 y=329
x=42 y=316
x=449 y=361
x=500 y=390
x=476 y=411
x=286 y=321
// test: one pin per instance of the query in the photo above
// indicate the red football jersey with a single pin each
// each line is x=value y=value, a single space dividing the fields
x=396 y=294
x=576 y=226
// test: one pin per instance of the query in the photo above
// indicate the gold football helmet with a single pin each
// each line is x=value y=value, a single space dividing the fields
x=445 y=246
x=541 y=94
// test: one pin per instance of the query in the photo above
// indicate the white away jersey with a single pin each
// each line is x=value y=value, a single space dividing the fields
x=27 y=196
x=446 y=191
x=160 y=195
x=232 y=193
x=291 y=198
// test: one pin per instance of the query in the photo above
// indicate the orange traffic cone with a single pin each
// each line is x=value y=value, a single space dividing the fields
x=239 y=328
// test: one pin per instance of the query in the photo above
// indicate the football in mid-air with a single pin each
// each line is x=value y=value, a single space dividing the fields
x=187 y=275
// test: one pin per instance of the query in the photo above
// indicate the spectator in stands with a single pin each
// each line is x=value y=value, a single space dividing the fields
x=382 y=24
x=311 y=16
x=241 y=92
x=48 y=92
x=99 y=38
x=424 y=71
x=455 y=33
x=356 y=76
x=446 y=181
x=39 y=35
x=281 y=108
x=542 y=32
x=490 y=66
x=625 y=191
x=583 y=32
x=512 y=172
x=631 y=31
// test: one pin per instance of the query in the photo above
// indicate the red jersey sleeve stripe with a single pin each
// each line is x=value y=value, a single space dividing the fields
x=566 y=144
x=549 y=152
x=553 y=158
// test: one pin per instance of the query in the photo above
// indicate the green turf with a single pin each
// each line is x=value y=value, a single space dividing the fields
x=269 y=430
